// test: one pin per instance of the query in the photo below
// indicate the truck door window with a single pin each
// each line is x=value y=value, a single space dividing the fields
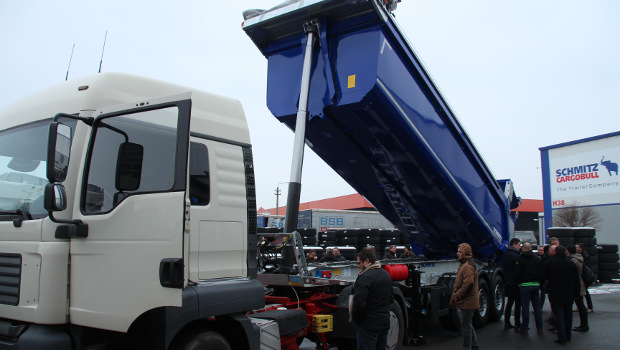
x=156 y=131
x=199 y=188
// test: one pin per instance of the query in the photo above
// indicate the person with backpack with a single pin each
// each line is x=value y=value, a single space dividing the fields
x=577 y=259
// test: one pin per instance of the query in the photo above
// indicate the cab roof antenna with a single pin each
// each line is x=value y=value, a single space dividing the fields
x=102 y=50
x=70 y=58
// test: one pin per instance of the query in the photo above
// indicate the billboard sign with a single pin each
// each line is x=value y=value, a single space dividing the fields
x=584 y=173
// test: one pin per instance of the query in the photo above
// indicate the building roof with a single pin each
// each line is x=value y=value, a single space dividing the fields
x=357 y=202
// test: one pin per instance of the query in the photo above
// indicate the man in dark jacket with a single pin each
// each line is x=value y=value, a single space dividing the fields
x=562 y=287
x=510 y=284
x=465 y=294
x=527 y=273
x=372 y=299
x=329 y=256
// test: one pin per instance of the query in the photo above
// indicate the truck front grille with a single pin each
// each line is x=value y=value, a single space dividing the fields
x=10 y=275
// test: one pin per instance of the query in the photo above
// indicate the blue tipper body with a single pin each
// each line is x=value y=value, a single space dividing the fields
x=378 y=120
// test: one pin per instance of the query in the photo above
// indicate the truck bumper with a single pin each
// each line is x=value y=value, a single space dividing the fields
x=40 y=337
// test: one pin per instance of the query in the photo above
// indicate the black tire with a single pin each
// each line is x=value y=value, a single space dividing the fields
x=584 y=232
x=594 y=268
x=202 y=340
x=560 y=232
x=566 y=241
x=451 y=321
x=592 y=260
x=607 y=248
x=498 y=302
x=482 y=316
x=397 y=327
x=608 y=257
x=348 y=233
x=608 y=266
x=587 y=241
x=606 y=276
x=593 y=251
x=328 y=235
x=346 y=344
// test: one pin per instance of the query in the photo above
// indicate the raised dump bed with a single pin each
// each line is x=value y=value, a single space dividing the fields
x=378 y=120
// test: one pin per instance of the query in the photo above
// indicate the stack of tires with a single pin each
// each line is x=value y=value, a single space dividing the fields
x=608 y=265
x=308 y=236
x=327 y=238
x=389 y=238
x=572 y=235
x=347 y=238
x=371 y=237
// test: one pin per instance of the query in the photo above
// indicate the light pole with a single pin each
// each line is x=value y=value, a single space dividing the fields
x=278 y=192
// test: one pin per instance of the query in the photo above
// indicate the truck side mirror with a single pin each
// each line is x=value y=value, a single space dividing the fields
x=55 y=197
x=58 y=152
x=129 y=166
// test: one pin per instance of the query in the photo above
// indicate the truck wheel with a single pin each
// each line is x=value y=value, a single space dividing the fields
x=482 y=316
x=397 y=328
x=202 y=340
x=497 y=299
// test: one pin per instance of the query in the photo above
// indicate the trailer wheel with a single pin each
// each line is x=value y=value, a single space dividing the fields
x=202 y=340
x=497 y=299
x=482 y=316
x=397 y=328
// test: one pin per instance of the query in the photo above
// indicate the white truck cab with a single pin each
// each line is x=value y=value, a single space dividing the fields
x=146 y=214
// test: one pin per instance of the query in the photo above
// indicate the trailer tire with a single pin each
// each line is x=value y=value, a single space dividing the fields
x=397 y=327
x=202 y=340
x=482 y=316
x=497 y=298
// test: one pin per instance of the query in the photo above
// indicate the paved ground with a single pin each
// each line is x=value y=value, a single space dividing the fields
x=604 y=329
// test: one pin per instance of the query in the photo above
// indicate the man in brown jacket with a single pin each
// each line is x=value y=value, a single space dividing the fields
x=465 y=294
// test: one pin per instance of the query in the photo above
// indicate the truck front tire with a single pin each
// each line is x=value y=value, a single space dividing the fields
x=202 y=340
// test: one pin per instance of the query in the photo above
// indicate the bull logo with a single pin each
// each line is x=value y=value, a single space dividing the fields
x=609 y=165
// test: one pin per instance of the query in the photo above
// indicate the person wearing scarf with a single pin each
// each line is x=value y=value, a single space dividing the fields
x=372 y=298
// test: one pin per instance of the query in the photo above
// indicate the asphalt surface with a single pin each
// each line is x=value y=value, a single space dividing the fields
x=604 y=329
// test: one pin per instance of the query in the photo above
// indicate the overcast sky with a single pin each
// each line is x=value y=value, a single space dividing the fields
x=518 y=74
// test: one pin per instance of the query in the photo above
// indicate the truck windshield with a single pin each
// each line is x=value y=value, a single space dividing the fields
x=23 y=152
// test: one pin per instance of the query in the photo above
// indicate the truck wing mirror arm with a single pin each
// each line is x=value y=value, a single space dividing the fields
x=55 y=199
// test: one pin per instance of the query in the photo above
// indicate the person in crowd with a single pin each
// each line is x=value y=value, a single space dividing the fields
x=329 y=256
x=586 y=260
x=465 y=294
x=577 y=259
x=372 y=299
x=312 y=257
x=541 y=251
x=554 y=241
x=543 y=285
x=527 y=272
x=337 y=254
x=408 y=253
x=391 y=252
x=563 y=286
x=511 y=289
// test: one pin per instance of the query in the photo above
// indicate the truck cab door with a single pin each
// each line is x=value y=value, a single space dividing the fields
x=132 y=197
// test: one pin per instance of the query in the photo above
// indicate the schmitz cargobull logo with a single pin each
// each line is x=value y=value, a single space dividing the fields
x=586 y=171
